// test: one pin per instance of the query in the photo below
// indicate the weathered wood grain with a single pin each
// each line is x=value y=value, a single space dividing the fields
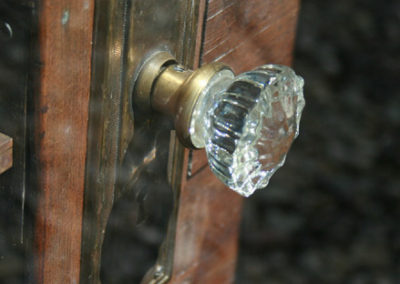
x=61 y=114
x=6 y=158
x=246 y=34
x=243 y=34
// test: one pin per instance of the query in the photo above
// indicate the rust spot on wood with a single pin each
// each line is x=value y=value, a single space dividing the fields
x=44 y=109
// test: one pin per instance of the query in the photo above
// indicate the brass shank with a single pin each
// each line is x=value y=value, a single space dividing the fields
x=173 y=90
x=164 y=95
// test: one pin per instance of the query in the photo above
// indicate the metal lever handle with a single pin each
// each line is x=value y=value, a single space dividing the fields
x=246 y=123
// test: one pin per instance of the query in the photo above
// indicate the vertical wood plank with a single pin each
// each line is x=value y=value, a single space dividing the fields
x=6 y=159
x=243 y=34
x=61 y=114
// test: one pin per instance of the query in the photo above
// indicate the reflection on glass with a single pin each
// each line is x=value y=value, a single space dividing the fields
x=248 y=124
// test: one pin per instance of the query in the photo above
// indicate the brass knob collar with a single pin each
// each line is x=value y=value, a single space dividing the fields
x=173 y=90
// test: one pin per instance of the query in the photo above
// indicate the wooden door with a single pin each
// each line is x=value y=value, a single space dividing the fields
x=87 y=140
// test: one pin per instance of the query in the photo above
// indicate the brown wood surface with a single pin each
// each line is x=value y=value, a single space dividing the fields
x=6 y=159
x=61 y=114
x=243 y=34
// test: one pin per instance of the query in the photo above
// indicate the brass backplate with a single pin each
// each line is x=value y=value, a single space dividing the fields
x=123 y=144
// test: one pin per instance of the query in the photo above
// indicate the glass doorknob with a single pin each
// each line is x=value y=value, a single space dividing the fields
x=246 y=123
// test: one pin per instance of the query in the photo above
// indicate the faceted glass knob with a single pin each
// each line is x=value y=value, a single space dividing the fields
x=248 y=123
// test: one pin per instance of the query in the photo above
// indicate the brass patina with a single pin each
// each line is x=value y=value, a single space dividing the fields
x=126 y=33
x=173 y=90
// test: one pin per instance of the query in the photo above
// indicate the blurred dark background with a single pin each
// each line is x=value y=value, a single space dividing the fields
x=17 y=31
x=330 y=215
